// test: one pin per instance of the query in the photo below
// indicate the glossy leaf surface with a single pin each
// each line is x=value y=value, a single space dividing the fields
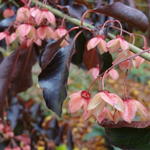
x=125 y=13
x=129 y=138
x=53 y=79
x=15 y=73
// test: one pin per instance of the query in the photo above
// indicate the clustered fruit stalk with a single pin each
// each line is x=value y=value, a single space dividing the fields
x=75 y=21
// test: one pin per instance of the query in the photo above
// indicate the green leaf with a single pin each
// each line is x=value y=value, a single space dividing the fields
x=129 y=138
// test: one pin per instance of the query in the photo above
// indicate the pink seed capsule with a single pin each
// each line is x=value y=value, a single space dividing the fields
x=86 y=95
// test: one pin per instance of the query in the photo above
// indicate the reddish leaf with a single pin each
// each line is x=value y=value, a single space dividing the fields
x=21 y=78
x=121 y=124
x=125 y=13
x=90 y=58
x=15 y=73
x=6 y=68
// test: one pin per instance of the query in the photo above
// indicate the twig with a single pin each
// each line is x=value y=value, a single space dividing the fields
x=129 y=58
x=75 y=21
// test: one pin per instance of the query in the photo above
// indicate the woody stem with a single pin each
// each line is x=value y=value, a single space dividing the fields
x=76 y=21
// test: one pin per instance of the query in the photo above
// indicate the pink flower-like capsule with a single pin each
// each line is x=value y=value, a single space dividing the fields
x=99 y=42
x=117 y=116
x=105 y=114
x=34 y=11
x=112 y=73
x=8 y=37
x=16 y=148
x=8 y=133
x=79 y=100
x=8 y=13
x=24 y=29
x=94 y=72
x=137 y=61
x=99 y=103
x=23 y=15
x=27 y=32
x=128 y=64
x=26 y=147
x=1 y=126
x=45 y=32
x=103 y=98
x=60 y=32
x=42 y=14
x=8 y=148
x=116 y=44
x=25 y=139
x=125 y=64
x=133 y=106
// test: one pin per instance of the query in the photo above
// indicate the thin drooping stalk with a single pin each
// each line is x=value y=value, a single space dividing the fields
x=128 y=58
x=117 y=63
x=75 y=21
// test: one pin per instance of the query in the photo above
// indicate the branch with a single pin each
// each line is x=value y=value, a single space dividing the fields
x=75 y=21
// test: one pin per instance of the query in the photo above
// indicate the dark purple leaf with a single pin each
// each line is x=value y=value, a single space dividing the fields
x=106 y=62
x=125 y=13
x=6 y=68
x=21 y=78
x=15 y=73
x=50 y=52
x=53 y=79
x=80 y=45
